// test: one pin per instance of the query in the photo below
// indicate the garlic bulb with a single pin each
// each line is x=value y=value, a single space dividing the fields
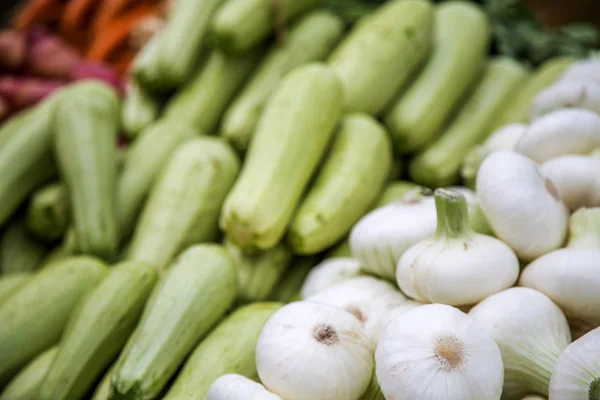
x=314 y=351
x=523 y=208
x=238 y=387
x=457 y=266
x=577 y=374
x=399 y=310
x=505 y=138
x=561 y=132
x=583 y=71
x=531 y=331
x=436 y=352
x=533 y=397
x=380 y=238
x=327 y=273
x=477 y=219
x=567 y=94
x=584 y=229
x=577 y=179
x=570 y=277
x=367 y=298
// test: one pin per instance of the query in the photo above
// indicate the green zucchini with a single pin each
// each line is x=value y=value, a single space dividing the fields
x=26 y=158
x=229 y=348
x=10 y=283
x=19 y=252
x=98 y=330
x=67 y=247
x=461 y=45
x=351 y=179
x=26 y=385
x=103 y=391
x=48 y=212
x=184 y=205
x=342 y=249
x=258 y=273
x=34 y=317
x=144 y=160
x=395 y=191
x=290 y=284
x=203 y=100
x=310 y=39
x=140 y=109
x=440 y=163
x=86 y=124
x=290 y=140
x=519 y=108
x=174 y=54
x=381 y=52
x=191 y=297
x=240 y=25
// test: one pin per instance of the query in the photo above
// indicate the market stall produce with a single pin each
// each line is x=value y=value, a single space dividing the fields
x=298 y=200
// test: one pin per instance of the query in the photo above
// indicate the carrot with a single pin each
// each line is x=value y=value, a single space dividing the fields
x=37 y=12
x=117 y=33
x=76 y=15
x=123 y=61
x=111 y=9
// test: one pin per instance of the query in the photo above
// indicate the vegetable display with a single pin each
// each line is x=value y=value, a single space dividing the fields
x=297 y=200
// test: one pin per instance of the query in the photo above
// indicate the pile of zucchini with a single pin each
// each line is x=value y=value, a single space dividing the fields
x=260 y=132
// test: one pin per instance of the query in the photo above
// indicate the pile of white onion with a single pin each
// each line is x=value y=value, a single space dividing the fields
x=456 y=294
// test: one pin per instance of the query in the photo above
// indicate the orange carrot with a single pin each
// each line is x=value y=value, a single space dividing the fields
x=115 y=35
x=110 y=9
x=76 y=15
x=37 y=12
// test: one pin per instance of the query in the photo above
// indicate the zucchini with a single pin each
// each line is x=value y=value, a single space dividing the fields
x=103 y=391
x=9 y=284
x=184 y=205
x=203 y=100
x=34 y=317
x=519 y=108
x=98 y=330
x=174 y=54
x=86 y=124
x=140 y=109
x=290 y=140
x=240 y=25
x=66 y=248
x=440 y=163
x=19 y=252
x=26 y=158
x=26 y=385
x=461 y=44
x=310 y=39
x=259 y=273
x=143 y=162
x=192 y=296
x=395 y=191
x=351 y=179
x=381 y=52
x=342 y=249
x=229 y=348
x=48 y=212
x=290 y=284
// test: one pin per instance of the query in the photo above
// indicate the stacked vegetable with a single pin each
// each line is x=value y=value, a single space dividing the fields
x=254 y=238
